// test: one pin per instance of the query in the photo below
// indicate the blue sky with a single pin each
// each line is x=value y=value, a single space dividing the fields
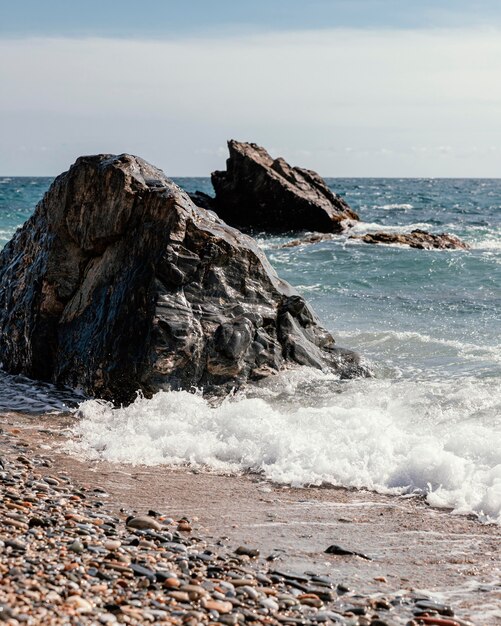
x=171 y=18
x=347 y=87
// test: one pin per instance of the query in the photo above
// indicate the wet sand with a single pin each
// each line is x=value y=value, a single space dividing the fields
x=455 y=558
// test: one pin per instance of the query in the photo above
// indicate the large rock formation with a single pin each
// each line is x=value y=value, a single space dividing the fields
x=118 y=283
x=258 y=192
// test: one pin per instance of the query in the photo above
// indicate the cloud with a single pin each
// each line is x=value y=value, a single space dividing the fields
x=335 y=100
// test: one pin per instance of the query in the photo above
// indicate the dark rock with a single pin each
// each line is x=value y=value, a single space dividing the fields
x=6 y=613
x=118 y=283
x=18 y=546
x=290 y=576
x=307 y=239
x=416 y=239
x=139 y=570
x=356 y=610
x=323 y=594
x=322 y=580
x=427 y=605
x=253 y=553
x=143 y=522
x=338 y=550
x=202 y=200
x=259 y=192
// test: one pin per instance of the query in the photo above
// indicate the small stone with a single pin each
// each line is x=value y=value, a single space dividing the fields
x=194 y=591
x=443 y=609
x=240 y=582
x=250 y=552
x=180 y=596
x=171 y=583
x=338 y=550
x=82 y=605
x=269 y=604
x=77 y=546
x=15 y=545
x=51 y=481
x=310 y=599
x=143 y=522
x=217 y=605
x=5 y=613
x=53 y=598
x=139 y=570
x=184 y=526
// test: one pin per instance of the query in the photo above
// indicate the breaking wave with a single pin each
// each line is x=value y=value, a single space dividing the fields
x=440 y=439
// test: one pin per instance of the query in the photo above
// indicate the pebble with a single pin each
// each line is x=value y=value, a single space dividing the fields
x=184 y=526
x=82 y=605
x=310 y=599
x=143 y=522
x=253 y=553
x=217 y=605
x=76 y=546
x=443 y=609
x=270 y=604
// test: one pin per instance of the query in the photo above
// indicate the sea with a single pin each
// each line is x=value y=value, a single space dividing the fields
x=427 y=322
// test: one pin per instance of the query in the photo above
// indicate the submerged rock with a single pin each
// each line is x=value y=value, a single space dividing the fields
x=119 y=283
x=416 y=239
x=259 y=192
x=310 y=238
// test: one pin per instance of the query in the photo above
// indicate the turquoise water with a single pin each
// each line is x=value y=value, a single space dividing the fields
x=370 y=295
x=429 y=322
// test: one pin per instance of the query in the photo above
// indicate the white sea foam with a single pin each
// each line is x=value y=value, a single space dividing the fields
x=489 y=243
x=390 y=207
x=442 y=439
x=362 y=228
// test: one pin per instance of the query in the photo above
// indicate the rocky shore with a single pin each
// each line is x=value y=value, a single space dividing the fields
x=70 y=555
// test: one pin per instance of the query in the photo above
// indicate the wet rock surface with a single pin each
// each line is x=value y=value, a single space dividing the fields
x=67 y=557
x=259 y=192
x=417 y=238
x=420 y=239
x=119 y=283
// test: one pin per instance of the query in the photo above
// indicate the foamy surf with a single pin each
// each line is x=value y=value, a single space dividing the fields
x=390 y=207
x=442 y=440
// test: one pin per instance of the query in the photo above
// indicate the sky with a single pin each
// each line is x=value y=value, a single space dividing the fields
x=345 y=87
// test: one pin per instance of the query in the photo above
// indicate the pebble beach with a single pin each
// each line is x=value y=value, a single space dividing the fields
x=69 y=554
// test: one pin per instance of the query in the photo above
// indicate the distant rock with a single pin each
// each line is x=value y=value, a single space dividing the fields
x=309 y=238
x=259 y=192
x=119 y=283
x=415 y=239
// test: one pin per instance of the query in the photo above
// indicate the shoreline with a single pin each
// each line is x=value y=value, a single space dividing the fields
x=414 y=548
